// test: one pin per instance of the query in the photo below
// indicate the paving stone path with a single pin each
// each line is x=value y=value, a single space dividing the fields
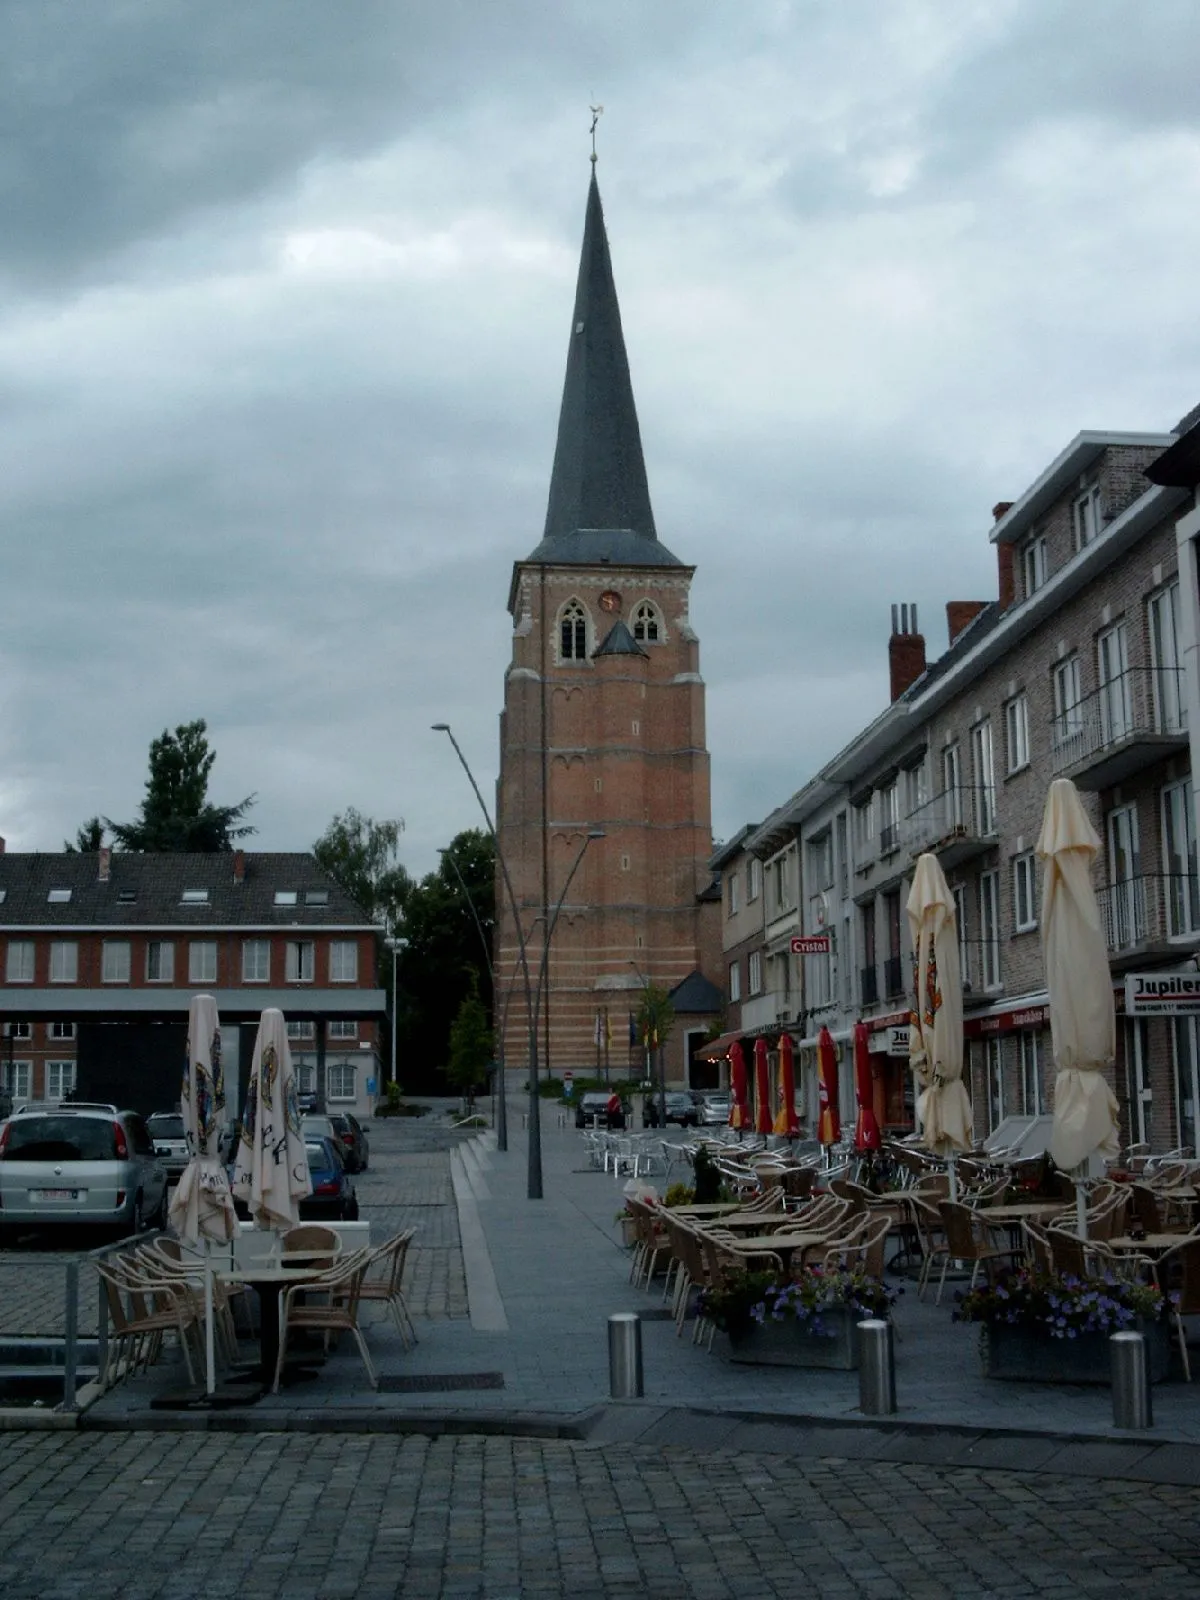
x=159 y=1516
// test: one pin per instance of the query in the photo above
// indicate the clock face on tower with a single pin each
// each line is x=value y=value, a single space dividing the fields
x=610 y=600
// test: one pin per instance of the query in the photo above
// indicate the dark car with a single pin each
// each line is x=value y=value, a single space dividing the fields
x=333 y=1198
x=680 y=1108
x=352 y=1136
x=592 y=1112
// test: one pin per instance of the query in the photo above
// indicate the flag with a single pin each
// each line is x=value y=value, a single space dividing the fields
x=598 y=1032
x=607 y=1028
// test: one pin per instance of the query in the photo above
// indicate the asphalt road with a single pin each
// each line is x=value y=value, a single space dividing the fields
x=322 y=1517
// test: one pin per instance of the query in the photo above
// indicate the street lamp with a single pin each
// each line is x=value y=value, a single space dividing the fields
x=532 y=1003
x=395 y=944
x=502 y=1102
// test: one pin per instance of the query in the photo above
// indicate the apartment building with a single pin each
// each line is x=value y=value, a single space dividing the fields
x=1077 y=668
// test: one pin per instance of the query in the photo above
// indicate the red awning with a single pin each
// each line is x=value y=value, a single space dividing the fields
x=717 y=1049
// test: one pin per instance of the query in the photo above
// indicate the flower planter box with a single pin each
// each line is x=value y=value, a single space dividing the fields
x=628 y=1232
x=791 y=1343
x=1021 y=1353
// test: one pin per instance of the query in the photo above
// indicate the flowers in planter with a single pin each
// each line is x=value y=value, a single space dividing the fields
x=749 y=1299
x=1061 y=1307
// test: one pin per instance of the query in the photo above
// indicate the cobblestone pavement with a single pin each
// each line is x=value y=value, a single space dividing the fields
x=322 y=1517
x=33 y=1292
x=408 y=1186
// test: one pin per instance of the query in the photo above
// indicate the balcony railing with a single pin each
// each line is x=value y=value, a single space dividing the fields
x=893 y=977
x=958 y=823
x=1150 y=910
x=868 y=983
x=1136 y=718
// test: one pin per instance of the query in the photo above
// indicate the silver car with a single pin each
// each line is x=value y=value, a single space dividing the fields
x=170 y=1141
x=718 y=1103
x=81 y=1165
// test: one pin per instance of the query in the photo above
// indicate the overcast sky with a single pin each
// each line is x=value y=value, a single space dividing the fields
x=285 y=295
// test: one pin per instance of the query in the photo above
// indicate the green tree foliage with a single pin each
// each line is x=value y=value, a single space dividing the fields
x=176 y=814
x=470 y=1045
x=89 y=838
x=655 y=1017
x=362 y=855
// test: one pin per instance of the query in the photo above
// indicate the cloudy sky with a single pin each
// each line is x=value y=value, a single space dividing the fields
x=285 y=292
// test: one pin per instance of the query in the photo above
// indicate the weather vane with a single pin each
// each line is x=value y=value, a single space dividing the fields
x=597 y=113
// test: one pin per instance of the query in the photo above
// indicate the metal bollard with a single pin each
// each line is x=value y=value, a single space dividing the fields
x=71 y=1341
x=1132 y=1407
x=876 y=1369
x=625 y=1356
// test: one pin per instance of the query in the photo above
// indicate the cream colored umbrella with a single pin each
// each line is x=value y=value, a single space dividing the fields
x=1082 y=1018
x=202 y=1208
x=271 y=1174
x=935 y=1035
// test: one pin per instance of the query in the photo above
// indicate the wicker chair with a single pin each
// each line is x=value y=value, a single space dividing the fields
x=336 y=1314
x=387 y=1289
x=1178 y=1273
x=967 y=1240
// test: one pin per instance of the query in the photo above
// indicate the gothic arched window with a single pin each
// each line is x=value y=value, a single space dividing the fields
x=572 y=632
x=647 y=624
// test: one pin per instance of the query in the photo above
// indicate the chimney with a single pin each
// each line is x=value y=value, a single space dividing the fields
x=1004 y=559
x=1 y=845
x=959 y=613
x=239 y=866
x=906 y=650
x=105 y=862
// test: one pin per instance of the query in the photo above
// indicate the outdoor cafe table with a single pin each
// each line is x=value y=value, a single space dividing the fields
x=270 y=1279
x=1023 y=1211
x=760 y=1220
x=1155 y=1242
x=780 y=1244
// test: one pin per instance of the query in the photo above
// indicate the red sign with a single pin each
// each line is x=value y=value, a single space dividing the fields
x=1007 y=1021
x=810 y=944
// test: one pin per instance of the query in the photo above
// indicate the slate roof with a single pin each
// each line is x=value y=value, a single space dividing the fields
x=619 y=642
x=1179 y=466
x=696 y=996
x=599 y=505
x=148 y=890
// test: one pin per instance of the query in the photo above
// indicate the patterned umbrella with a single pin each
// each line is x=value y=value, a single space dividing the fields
x=866 y=1128
x=739 y=1111
x=935 y=1047
x=272 y=1174
x=786 y=1123
x=762 y=1088
x=829 y=1123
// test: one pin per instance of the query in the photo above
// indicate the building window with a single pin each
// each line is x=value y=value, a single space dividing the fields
x=733 y=894
x=19 y=961
x=572 y=632
x=916 y=781
x=889 y=819
x=1112 y=664
x=1024 y=892
x=864 y=824
x=1033 y=564
x=301 y=1030
x=647 y=624
x=286 y=897
x=754 y=974
x=1016 y=731
x=343 y=961
x=1170 y=710
x=1085 y=516
x=989 y=928
x=299 y=964
x=993 y=1071
x=160 y=961
x=1068 y=717
x=339 y=1080
x=60 y=1080
x=16 y=1076
x=753 y=878
x=115 y=961
x=18 y=1030
x=343 y=1030
x=194 y=897
x=735 y=981
x=1179 y=860
x=964 y=947
x=256 y=961
x=60 y=1030
x=202 y=961
x=1029 y=1057
x=64 y=961
x=985 y=777
x=316 y=897
x=952 y=785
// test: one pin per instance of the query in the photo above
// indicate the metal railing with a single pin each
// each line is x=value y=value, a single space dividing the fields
x=893 y=976
x=1139 y=702
x=967 y=811
x=868 y=985
x=1150 y=909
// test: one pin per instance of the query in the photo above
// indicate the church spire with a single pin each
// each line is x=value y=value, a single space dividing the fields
x=599 y=505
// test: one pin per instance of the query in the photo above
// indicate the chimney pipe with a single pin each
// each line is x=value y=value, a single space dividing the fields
x=105 y=863
x=906 y=650
x=239 y=866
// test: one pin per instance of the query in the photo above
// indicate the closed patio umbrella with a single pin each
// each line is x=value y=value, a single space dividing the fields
x=202 y=1207
x=1082 y=1019
x=271 y=1174
x=829 y=1123
x=739 y=1111
x=762 y=1088
x=866 y=1127
x=785 y=1122
x=935 y=1037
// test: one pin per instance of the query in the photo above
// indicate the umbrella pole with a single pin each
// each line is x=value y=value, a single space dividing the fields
x=952 y=1169
x=1080 y=1202
x=210 y=1355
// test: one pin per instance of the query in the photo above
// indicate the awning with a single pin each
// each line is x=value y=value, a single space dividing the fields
x=717 y=1049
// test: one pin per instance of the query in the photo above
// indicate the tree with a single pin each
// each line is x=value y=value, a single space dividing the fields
x=655 y=1017
x=362 y=856
x=88 y=838
x=176 y=814
x=470 y=1045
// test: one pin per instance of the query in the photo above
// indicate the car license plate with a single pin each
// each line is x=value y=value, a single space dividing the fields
x=54 y=1194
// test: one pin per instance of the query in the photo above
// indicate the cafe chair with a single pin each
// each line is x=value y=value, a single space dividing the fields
x=1178 y=1273
x=139 y=1316
x=343 y=1285
x=387 y=1289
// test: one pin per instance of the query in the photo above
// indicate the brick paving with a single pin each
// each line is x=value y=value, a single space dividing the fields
x=121 y=1517
x=33 y=1292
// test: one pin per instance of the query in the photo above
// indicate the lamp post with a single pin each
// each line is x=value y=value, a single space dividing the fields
x=395 y=944
x=533 y=1000
x=502 y=1102
x=662 y=1075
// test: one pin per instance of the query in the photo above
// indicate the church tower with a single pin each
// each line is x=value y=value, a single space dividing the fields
x=602 y=729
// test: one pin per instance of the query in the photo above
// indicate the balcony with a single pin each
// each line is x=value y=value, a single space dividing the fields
x=868 y=985
x=1123 y=727
x=956 y=825
x=893 y=977
x=1143 y=913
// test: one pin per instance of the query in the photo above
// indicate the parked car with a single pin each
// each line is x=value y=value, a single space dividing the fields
x=592 y=1111
x=170 y=1141
x=333 y=1198
x=718 y=1103
x=352 y=1137
x=318 y=1127
x=679 y=1108
x=83 y=1165
x=5 y=1104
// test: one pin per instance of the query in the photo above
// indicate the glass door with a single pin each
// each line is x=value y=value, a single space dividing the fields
x=1179 y=860
x=1187 y=1080
x=1112 y=660
x=1126 y=897
x=1169 y=712
x=1135 y=1071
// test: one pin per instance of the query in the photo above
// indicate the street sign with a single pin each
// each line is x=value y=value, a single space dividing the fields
x=810 y=944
